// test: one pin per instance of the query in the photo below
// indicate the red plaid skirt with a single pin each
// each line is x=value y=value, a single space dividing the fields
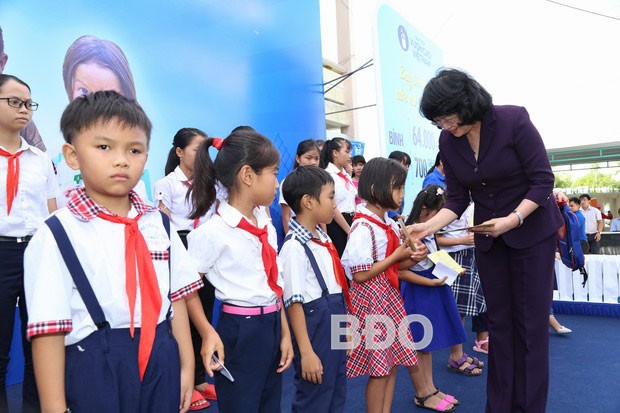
x=377 y=297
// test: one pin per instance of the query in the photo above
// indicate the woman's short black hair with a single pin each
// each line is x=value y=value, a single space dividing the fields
x=304 y=180
x=379 y=178
x=357 y=159
x=452 y=91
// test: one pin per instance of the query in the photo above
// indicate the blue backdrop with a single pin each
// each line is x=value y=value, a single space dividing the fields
x=213 y=65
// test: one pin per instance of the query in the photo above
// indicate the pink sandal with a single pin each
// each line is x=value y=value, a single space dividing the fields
x=478 y=347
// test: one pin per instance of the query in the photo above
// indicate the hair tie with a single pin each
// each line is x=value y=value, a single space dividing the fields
x=217 y=143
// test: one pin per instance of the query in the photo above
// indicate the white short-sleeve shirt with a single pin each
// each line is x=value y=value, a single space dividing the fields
x=358 y=254
x=300 y=281
x=345 y=190
x=282 y=201
x=593 y=215
x=464 y=221
x=54 y=304
x=232 y=259
x=172 y=191
x=37 y=185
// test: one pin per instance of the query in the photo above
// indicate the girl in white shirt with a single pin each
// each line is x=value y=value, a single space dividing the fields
x=171 y=192
x=307 y=155
x=27 y=196
x=335 y=157
x=236 y=249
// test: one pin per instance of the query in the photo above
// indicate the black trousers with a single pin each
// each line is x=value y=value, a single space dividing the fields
x=337 y=234
x=207 y=299
x=595 y=246
x=12 y=289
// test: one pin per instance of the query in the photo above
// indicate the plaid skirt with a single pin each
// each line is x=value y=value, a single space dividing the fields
x=377 y=297
x=467 y=288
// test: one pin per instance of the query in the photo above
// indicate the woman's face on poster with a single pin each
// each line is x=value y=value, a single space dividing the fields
x=91 y=77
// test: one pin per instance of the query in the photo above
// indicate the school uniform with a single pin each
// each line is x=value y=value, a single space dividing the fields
x=372 y=239
x=239 y=259
x=345 y=193
x=437 y=304
x=310 y=278
x=171 y=190
x=282 y=201
x=467 y=287
x=20 y=216
x=88 y=298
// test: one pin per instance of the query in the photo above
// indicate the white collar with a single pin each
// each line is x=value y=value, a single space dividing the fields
x=178 y=172
x=333 y=168
x=232 y=217
x=22 y=147
x=362 y=209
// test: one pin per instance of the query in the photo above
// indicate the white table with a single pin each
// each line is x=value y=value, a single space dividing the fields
x=603 y=285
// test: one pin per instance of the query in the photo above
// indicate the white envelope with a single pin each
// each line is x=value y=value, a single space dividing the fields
x=442 y=270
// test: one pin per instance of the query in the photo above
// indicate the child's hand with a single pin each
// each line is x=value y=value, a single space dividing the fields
x=187 y=388
x=311 y=368
x=403 y=252
x=212 y=344
x=468 y=239
x=420 y=253
x=438 y=282
x=286 y=349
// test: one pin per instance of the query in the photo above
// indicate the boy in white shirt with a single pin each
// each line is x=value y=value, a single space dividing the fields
x=315 y=288
x=104 y=275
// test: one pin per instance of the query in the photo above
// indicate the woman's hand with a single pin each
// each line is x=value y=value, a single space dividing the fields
x=560 y=196
x=419 y=231
x=500 y=226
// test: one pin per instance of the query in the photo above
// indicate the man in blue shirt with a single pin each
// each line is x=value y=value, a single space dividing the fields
x=573 y=205
x=435 y=176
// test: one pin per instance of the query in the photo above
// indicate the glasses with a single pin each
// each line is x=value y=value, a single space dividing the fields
x=445 y=123
x=18 y=103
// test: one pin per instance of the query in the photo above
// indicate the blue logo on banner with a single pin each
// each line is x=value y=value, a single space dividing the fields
x=403 y=39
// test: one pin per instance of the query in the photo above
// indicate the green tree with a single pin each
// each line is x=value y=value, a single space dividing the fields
x=563 y=181
x=595 y=179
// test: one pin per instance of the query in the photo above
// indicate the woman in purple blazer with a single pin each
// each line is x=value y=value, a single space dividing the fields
x=496 y=154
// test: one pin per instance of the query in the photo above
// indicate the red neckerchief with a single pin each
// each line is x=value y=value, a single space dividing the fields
x=338 y=270
x=268 y=254
x=12 y=177
x=393 y=243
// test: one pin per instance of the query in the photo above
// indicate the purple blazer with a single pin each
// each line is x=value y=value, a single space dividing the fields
x=512 y=165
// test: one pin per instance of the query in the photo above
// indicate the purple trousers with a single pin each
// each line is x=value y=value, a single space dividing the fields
x=518 y=287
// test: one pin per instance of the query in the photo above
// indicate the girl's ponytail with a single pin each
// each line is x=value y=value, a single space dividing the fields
x=202 y=190
x=173 y=161
x=430 y=197
x=182 y=138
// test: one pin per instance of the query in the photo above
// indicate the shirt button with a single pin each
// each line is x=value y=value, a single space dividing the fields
x=491 y=196
x=484 y=184
x=475 y=170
